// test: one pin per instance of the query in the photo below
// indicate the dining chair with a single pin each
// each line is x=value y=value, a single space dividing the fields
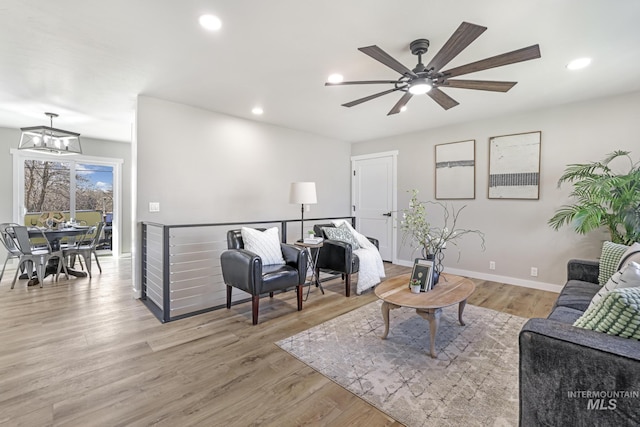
x=37 y=256
x=84 y=247
x=7 y=241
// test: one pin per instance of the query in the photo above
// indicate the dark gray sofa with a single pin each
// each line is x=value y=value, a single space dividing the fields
x=574 y=376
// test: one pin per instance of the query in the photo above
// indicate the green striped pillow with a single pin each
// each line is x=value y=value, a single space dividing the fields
x=609 y=260
x=617 y=313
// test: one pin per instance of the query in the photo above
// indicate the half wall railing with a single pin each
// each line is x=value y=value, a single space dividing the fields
x=181 y=274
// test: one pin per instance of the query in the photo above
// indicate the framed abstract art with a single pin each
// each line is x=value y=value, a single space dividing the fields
x=514 y=166
x=456 y=170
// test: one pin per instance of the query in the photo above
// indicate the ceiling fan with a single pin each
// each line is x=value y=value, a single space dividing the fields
x=429 y=78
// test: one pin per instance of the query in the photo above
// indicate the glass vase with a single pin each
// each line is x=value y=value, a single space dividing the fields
x=437 y=258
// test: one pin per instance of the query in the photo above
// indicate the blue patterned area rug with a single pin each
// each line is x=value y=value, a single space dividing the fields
x=473 y=381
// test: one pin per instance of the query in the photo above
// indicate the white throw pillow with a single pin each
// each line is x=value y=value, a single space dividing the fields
x=632 y=254
x=265 y=244
x=627 y=277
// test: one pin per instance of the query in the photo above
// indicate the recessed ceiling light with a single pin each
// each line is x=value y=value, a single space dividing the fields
x=403 y=108
x=335 y=78
x=210 y=22
x=257 y=111
x=579 y=63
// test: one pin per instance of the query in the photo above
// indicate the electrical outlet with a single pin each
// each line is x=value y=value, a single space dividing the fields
x=492 y=265
x=154 y=207
x=534 y=271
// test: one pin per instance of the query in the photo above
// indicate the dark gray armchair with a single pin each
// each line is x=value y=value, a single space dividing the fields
x=338 y=257
x=243 y=269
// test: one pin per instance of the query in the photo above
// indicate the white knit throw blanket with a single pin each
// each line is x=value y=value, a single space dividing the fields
x=371 y=267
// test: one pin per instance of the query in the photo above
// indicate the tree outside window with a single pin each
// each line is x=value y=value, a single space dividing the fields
x=48 y=187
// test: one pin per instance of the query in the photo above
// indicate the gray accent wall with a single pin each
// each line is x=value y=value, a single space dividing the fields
x=517 y=234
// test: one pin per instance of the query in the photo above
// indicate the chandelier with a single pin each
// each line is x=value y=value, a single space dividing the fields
x=49 y=139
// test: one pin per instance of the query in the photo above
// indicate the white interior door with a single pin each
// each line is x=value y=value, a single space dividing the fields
x=374 y=199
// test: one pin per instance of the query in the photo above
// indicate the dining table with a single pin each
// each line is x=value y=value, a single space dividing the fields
x=54 y=236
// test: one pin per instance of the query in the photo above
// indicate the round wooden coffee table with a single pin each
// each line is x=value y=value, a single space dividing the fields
x=395 y=293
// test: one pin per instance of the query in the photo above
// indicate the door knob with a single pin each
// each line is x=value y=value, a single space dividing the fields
x=387 y=214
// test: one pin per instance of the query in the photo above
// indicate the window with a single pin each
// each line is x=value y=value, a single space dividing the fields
x=94 y=188
x=84 y=188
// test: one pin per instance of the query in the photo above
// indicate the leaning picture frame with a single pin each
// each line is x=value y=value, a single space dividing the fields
x=423 y=273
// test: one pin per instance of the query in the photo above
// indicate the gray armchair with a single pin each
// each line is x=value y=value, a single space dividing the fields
x=243 y=269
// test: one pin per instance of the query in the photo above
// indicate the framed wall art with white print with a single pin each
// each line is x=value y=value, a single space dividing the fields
x=456 y=170
x=514 y=166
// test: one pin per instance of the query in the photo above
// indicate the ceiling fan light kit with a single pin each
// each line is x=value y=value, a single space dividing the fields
x=419 y=87
x=428 y=79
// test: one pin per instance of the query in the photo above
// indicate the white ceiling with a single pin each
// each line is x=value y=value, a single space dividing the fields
x=87 y=60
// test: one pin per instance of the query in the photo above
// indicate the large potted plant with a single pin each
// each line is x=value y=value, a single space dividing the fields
x=603 y=198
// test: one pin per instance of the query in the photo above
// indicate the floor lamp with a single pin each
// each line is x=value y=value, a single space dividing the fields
x=303 y=193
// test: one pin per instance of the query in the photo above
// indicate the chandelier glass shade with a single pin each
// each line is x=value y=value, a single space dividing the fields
x=50 y=140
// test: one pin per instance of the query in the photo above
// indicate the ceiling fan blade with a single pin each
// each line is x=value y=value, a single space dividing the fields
x=401 y=103
x=480 y=85
x=442 y=98
x=362 y=82
x=524 y=54
x=463 y=37
x=370 y=97
x=380 y=55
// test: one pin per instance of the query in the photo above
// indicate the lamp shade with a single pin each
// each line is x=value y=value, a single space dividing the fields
x=303 y=193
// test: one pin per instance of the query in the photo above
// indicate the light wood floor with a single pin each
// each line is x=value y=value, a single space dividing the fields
x=86 y=353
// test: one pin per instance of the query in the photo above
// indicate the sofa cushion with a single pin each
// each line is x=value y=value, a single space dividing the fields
x=632 y=254
x=577 y=294
x=274 y=277
x=610 y=260
x=618 y=313
x=627 y=277
x=565 y=315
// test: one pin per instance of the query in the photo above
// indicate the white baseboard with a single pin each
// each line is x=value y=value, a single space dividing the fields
x=551 y=287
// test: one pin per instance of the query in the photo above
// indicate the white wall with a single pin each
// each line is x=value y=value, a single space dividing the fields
x=9 y=138
x=205 y=167
x=517 y=234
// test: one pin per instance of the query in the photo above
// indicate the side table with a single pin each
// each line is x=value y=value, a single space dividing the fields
x=313 y=261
